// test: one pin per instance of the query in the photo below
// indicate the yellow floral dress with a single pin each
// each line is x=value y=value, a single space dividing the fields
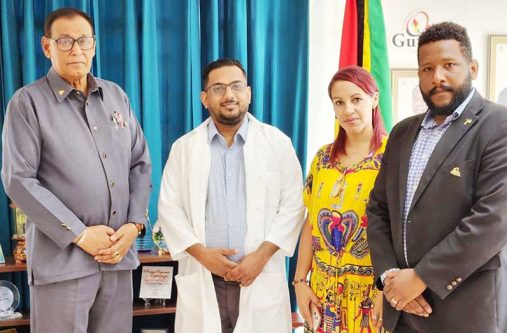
x=342 y=273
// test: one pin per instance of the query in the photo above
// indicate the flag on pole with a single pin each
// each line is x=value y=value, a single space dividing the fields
x=364 y=44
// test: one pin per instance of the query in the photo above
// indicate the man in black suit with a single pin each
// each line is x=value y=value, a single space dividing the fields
x=438 y=213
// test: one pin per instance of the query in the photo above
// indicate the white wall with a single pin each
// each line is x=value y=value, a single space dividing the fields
x=481 y=18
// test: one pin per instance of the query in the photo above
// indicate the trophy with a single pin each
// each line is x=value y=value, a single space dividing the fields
x=145 y=243
x=19 y=252
x=159 y=240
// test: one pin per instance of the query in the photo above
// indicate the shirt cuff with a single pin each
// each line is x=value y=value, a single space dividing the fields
x=384 y=275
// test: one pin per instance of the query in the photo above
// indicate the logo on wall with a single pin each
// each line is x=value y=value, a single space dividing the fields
x=415 y=24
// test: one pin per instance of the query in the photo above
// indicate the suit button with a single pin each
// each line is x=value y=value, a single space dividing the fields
x=449 y=287
x=95 y=128
x=454 y=283
x=459 y=279
x=409 y=221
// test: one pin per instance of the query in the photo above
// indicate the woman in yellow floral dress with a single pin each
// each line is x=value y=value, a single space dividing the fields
x=333 y=244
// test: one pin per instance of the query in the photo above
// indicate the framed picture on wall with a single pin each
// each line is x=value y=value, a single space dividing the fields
x=407 y=98
x=497 y=83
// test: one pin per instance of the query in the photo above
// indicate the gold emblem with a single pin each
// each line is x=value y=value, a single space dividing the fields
x=61 y=92
x=468 y=121
x=455 y=172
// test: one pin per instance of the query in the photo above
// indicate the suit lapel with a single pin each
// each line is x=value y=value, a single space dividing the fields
x=452 y=136
x=405 y=152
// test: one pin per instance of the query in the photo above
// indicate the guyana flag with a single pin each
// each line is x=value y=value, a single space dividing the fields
x=364 y=44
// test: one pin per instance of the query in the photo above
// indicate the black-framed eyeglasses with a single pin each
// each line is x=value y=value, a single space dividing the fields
x=67 y=43
x=220 y=88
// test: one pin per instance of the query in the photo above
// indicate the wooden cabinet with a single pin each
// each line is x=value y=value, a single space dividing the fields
x=139 y=308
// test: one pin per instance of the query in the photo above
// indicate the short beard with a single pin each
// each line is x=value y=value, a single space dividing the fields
x=229 y=121
x=459 y=95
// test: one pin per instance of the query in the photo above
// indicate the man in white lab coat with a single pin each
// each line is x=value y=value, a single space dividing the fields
x=231 y=210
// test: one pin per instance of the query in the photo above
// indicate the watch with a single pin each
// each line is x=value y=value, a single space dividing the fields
x=141 y=230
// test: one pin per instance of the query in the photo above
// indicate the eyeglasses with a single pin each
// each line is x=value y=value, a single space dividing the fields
x=67 y=43
x=219 y=88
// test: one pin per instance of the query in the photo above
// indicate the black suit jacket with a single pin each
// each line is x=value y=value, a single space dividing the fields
x=457 y=225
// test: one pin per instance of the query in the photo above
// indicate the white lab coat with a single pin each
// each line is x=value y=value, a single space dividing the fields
x=275 y=213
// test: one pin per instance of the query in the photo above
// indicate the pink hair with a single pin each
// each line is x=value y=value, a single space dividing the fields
x=363 y=79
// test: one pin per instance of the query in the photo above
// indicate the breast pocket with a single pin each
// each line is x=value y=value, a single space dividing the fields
x=458 y=178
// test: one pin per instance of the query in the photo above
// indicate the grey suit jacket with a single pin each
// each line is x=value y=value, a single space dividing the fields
x=457 y=224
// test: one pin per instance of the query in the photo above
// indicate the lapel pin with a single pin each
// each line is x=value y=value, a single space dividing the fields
x=468 y=121
x=455 y=172
x=61 y=92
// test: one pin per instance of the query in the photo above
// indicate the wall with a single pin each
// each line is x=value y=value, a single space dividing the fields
x=480 y=18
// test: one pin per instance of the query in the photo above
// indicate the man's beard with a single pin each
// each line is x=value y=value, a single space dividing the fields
x=459 y=95
x=229 y=120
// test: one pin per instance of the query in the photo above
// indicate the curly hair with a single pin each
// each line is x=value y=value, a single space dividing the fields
x=447 y=31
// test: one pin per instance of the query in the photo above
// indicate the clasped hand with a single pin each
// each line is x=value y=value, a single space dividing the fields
x=108 y=246
x=245 y=271
x=403 y=290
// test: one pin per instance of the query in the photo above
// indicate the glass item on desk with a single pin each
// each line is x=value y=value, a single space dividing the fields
x=9 y=300
x=145 y=243
x=159 y=240
x=2 y=258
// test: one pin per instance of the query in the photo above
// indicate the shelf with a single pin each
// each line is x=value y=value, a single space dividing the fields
x=11 y=266
x=150 y=258
x=144 y=258
x=154 y=309
x=23 y=321
x=139 y=310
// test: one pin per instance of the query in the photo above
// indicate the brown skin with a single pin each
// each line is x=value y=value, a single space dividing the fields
x=441 y=64
x=353 y=110
x=107 y=245
x=74 y=65
x=227 y=111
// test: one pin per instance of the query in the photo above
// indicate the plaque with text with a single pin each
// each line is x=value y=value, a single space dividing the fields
x=156 y=282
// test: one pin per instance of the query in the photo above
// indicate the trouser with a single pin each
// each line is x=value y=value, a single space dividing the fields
x=98 y=303
x=407 y=324
x=228 y=302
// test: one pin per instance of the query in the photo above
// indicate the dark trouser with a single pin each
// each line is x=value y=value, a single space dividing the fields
x=228 y=302
x=408 y=324
x=98 y=303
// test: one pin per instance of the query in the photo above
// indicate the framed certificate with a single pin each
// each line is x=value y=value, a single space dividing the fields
x=156 y=282
x=497 y=80
x=407 y=97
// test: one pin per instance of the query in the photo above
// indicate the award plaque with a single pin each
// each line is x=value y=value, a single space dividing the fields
x=9 y=300
x=156 y=283
x=145 y=243
x=2 y=258
x=159 y=240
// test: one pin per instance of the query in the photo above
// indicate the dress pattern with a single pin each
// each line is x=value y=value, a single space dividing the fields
x=342 y=274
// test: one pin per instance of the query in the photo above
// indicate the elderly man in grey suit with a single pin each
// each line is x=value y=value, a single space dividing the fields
x=438 y=213
x=76 y=162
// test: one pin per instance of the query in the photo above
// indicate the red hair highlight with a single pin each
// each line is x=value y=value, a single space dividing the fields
x=363 y=79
